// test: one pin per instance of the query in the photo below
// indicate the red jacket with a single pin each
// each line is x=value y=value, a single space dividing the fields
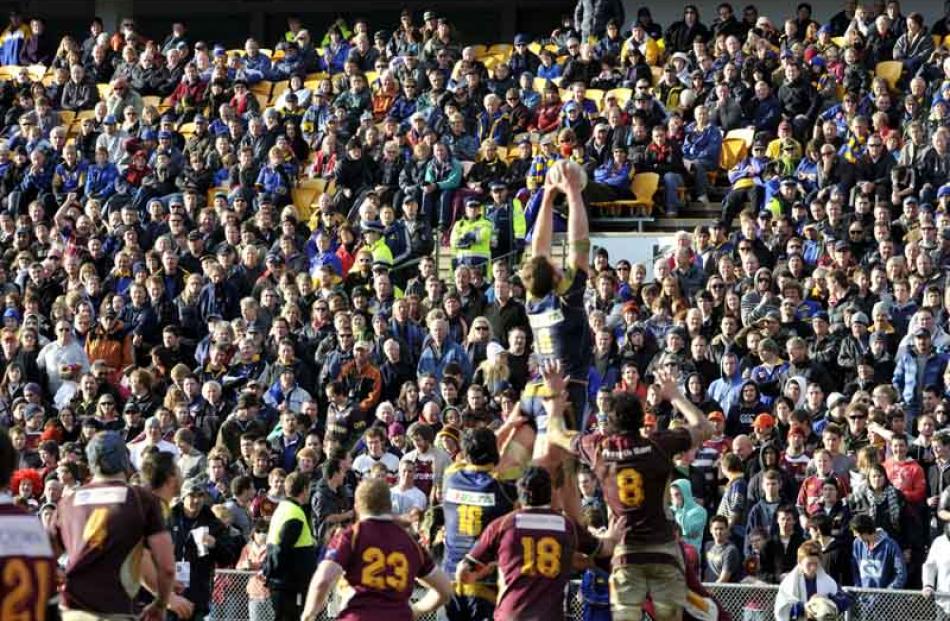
x=909 y=477
x=809 y=496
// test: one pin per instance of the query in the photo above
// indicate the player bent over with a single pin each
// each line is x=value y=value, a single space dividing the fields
x=381 y=562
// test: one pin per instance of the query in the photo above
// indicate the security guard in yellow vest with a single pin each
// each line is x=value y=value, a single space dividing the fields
x=291 y=550
x=509 y=226
x=373 y=239
x=471 y=237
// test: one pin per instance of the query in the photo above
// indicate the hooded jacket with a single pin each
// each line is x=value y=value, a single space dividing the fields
x=880 y=567
x=742 y=413
x=725 y=390
x=691 y=517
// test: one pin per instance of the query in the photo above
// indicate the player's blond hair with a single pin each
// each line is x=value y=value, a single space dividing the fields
x=372 y=498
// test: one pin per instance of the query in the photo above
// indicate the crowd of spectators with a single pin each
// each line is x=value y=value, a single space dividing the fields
x=162 y=276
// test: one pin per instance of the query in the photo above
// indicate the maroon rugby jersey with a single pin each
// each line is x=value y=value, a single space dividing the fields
x=381 y=561
x=104 y=527
x=635 y=475
x=534 y=549
x=27 y=571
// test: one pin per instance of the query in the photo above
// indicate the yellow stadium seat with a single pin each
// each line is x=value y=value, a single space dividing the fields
x=936 y=40
x=238 y=51
x=733 y=150
x=305 y=195
x=264 y=87
x=746 y=135
x=66 y=117
x=187 y=129
x=104 y=89
x=657 y=74
x=480 y=50
x=266 y=52
x=890 y=71
x=320 y=75
x=152 y=100
x=263 y=100
x=643 y=186
x=85 y=114
x=371 y=76
x=623 y=95
x=539 y=84
x=839 y=41
x=212 y=191
x=534 y=48
x=501 y=48
x=36 y=72
x=661 y=43
x=279 y=88
x=596 y=95
x=946 y=41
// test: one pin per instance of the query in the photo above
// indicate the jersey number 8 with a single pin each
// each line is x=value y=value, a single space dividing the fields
x=384 y=570
x=541 y=556
x=630 y=487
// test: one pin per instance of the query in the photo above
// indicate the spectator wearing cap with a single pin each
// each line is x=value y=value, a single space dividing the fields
x=747 y=180
x=522 y=59
x=202 y=542
x=917 y=367
x=361 y=378
x=854 y=345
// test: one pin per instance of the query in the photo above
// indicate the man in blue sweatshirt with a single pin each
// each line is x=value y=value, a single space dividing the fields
x=878 y=562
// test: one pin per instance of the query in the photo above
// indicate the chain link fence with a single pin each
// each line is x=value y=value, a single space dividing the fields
x=232 y=600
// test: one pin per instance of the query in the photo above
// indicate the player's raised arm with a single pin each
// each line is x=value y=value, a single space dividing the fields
x=572 y=181
x=700 y=428
x=438 y=594
x=322 y=583
x=555 y=385
x=544 y=223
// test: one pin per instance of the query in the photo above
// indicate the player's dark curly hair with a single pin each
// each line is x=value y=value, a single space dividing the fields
x=534 y=487
x=480 y=447
x=624 y=413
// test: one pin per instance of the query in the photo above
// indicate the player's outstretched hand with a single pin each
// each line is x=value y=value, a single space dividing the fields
x=665 y=381
x=553 y=377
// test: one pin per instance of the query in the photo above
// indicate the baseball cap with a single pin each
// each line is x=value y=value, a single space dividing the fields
x=834 y=399
x=859 y=317
x=763 y=421
x=716 y=416
x=522 y=39
x=191 y=486
x=109 y=120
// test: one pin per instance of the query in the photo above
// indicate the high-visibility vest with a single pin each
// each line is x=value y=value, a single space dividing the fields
x=286 y=511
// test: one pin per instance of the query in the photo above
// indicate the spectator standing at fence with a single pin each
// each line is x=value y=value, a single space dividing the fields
x=805 y=582
x=201 y=542
x=291 y=550
x=877 y=559
x=252 y=560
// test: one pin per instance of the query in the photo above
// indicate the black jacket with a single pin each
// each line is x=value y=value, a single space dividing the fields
x=286 y=567
x=226 y=550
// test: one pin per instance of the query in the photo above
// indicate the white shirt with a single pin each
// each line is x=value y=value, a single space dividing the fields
x=405 y=501
x=138 y=449
x=936 y=570
x=364 y=462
